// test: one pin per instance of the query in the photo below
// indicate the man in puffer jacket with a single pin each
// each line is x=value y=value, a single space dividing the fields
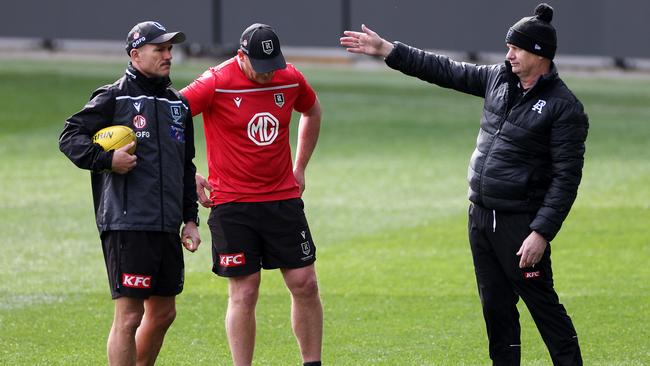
x=523 y=175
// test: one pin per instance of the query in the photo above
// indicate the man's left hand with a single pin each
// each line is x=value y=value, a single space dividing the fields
x=531 y=250
x=300 y=178
x=190 y=236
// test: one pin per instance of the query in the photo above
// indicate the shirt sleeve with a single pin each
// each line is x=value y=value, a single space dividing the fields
x=306 y=97
x=199 y=93
x=75 y=140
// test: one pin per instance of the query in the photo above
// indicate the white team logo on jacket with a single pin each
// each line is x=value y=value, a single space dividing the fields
x=263 y=128
x=538 y=106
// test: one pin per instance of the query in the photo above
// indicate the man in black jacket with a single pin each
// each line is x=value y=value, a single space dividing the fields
x=523 y=175
x=141 y=200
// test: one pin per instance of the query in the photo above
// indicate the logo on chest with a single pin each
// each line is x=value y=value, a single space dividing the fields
x=279 y=99
x=538 y=106
x=263 y=128
x=176 y=113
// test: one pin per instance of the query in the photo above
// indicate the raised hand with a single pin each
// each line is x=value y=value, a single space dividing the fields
x=366 y=42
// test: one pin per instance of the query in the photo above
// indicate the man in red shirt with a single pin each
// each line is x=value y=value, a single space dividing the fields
x=257 y=218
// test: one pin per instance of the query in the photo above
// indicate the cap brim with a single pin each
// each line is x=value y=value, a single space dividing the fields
x=173 y=37
x=267 y=65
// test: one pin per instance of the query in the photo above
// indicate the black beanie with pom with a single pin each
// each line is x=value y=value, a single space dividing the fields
x=535 y=34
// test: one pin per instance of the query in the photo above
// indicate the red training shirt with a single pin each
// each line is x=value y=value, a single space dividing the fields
x=246 y=128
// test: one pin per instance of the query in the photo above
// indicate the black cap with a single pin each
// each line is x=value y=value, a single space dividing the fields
x=262 y=46
x=535 y=34
x=150 y=32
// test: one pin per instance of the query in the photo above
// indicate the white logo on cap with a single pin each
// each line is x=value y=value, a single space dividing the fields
x=537 y=47
x=159 y=26
x=137 y=42
x=267 y=47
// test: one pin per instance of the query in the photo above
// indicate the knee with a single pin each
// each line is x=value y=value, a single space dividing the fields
x=128 y=322
x=163 y=319
x=244 y=297
x=306 y=288
x=497 y=298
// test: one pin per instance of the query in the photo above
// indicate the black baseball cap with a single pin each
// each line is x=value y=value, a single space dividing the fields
x=150 y=32
x=262 y=46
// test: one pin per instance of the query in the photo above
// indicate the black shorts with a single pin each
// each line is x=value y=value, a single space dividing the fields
x=247 y=236
x=143 y=263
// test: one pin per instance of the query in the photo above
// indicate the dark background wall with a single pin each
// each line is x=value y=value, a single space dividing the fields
x=585 y=27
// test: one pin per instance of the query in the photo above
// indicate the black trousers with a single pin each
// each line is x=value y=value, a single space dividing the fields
x=495 y=239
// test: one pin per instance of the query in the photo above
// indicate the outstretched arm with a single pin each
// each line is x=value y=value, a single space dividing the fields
x=366 y=42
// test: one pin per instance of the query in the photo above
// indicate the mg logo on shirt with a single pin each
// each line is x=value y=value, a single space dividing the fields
x=263 y=128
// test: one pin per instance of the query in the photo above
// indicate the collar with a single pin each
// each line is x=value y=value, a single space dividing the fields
x=154 y=85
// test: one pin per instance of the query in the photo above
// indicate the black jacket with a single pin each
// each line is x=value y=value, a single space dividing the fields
x=160 y=192
x=529 y=152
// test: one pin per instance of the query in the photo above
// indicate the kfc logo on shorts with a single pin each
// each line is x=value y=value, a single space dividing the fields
x=232 y=260
x=529 y=275
x=136 y=281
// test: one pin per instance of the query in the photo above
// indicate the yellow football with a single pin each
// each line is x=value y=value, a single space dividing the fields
x=114 y=137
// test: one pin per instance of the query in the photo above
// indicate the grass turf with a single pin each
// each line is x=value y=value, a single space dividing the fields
x=386 y=200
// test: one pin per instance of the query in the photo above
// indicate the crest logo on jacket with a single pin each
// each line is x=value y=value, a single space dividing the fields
x=538 y=106
x=176 y=113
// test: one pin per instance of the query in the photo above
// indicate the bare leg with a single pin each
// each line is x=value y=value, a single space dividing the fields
x=306 y=311
x=121 y=340
x=159 y=314
x=240 y=317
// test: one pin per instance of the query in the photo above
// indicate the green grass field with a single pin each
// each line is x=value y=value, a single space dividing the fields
x=386 y=201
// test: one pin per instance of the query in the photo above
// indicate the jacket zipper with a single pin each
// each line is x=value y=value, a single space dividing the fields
x=124 y=196
x=160 y=165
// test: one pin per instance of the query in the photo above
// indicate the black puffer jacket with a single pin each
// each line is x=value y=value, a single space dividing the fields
x=160 y=193
x=529 y=152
